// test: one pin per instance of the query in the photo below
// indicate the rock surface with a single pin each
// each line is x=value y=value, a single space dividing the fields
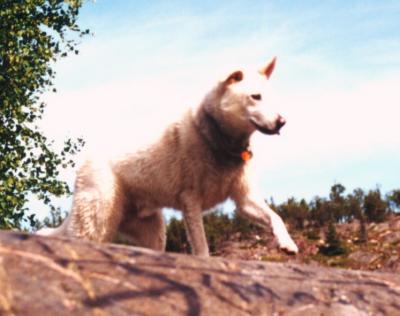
x=55 y=276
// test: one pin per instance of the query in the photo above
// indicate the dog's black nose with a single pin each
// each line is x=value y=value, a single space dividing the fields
x=280 y=121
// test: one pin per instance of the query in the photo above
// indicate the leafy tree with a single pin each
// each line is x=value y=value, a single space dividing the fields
x=375 y=208
x=218 y=227
x=393 y=199
x=319 y=211
x=295 y=212
x=354 y=205
x=337 y=205
x=176 y=236
x=33 y=34
x=336 y=193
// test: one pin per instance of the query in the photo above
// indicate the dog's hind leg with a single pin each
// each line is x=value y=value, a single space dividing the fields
x=147 y=230
x=98 y=204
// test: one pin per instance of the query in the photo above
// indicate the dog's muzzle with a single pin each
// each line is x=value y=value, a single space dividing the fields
x=268 y=126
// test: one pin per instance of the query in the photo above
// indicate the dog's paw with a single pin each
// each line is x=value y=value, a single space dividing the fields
x=288 y=246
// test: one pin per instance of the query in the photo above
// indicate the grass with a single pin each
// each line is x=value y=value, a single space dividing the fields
x=273 y=258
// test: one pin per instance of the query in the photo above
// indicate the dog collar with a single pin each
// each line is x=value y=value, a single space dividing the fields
x=246 y=155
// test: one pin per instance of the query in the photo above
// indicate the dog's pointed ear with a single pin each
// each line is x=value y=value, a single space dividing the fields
x=234 y=77
x=267 y=71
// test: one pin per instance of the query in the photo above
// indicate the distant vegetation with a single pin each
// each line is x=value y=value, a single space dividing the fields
x=312 y=216
x=358 y=230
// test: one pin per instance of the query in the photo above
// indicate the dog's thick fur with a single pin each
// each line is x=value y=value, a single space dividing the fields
x=198 y=162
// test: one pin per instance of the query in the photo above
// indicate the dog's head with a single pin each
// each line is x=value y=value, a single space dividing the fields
x=242 y=106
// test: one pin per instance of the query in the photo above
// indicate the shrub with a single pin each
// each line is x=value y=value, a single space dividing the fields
x=333 y=245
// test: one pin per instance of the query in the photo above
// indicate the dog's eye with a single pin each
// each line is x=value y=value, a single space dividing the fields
x=256 y=97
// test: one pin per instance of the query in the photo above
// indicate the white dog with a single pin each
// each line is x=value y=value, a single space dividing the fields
x=198 y=162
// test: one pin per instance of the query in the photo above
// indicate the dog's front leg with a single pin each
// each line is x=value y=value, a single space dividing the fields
x=255 y=209
x=193 y=218
x=259 y=212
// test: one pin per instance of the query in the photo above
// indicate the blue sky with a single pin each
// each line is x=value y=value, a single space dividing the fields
x=336 y=82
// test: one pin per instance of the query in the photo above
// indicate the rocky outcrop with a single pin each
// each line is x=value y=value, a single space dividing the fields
x=55 y=276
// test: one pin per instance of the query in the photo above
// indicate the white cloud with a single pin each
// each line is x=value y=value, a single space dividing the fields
x=335 y=124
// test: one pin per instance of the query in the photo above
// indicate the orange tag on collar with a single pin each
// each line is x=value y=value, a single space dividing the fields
x=246 y=155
